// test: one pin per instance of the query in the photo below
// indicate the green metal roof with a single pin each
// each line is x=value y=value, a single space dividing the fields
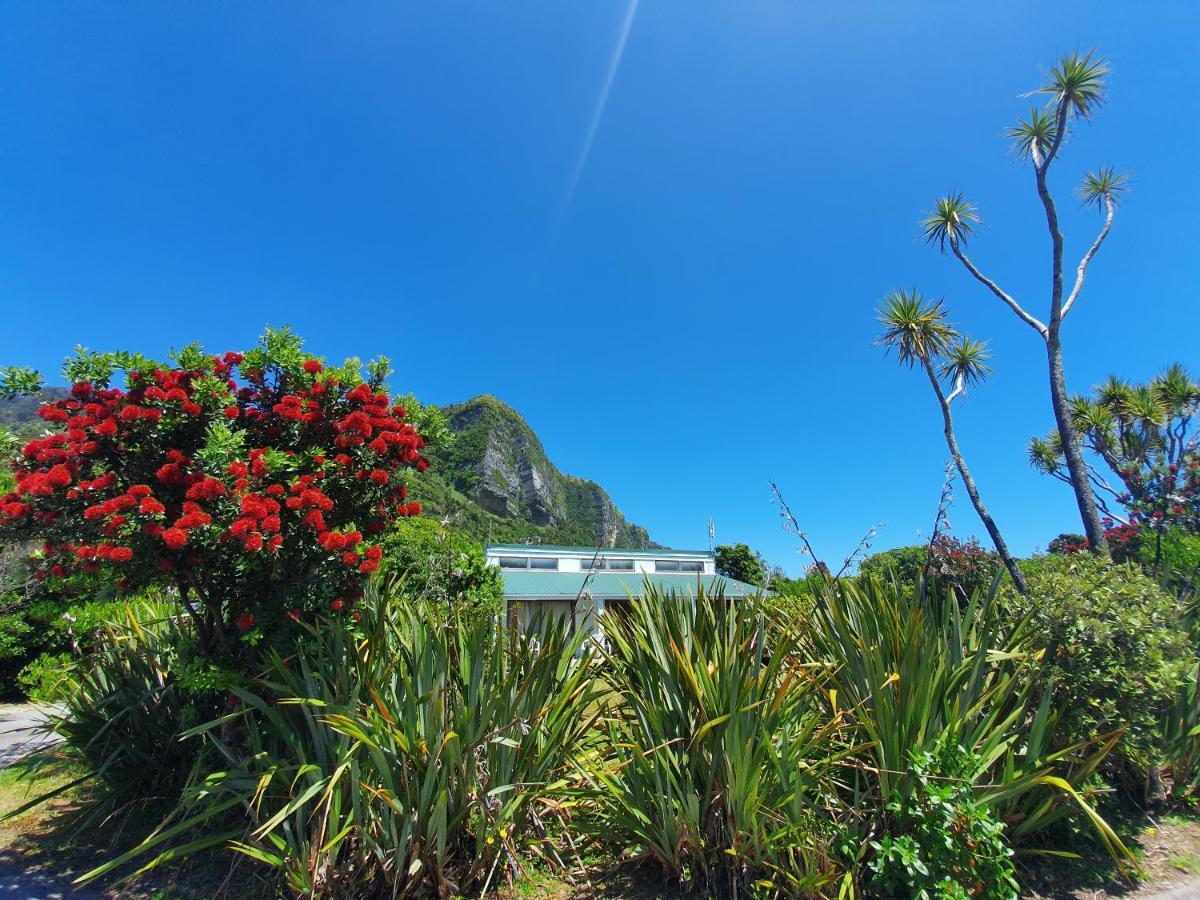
x=536 y=585
x=661 y=552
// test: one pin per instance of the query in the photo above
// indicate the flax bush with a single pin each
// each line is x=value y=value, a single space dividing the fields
x=416 y=753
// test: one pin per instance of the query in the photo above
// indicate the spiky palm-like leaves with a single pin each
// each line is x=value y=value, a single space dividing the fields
x=1139 y=432
x=1076 y=82
x=966 y=362
x=1045 y=454
x=915 y=328
x=953 y=218
x=1105 y=185
x=1032 y=137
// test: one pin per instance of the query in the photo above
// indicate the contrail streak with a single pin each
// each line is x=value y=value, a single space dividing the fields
x=598 y=114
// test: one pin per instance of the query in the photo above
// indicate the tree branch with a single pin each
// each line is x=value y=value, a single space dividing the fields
x=1056 y=238
x=958 y=389
x=1110 y=211
x=995 y=289
x=1060 y=131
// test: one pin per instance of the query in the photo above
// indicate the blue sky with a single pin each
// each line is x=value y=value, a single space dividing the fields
x=682 y=313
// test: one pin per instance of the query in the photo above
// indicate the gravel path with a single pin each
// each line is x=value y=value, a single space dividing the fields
x=18 y=885
x=19 y=734
x=1189 y=891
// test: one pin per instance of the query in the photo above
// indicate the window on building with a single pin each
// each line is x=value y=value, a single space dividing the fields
x=666 y=565
x=529 y=562
x=612 y=565
x=691 y=567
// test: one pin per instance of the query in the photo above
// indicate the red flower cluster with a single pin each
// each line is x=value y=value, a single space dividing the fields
x=130 y=483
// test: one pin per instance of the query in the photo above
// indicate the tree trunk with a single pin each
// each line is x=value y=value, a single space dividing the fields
x=972 y=491
x=1072 y=452
x=1072 y=449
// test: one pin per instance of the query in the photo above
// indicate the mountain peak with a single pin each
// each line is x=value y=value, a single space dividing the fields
x=497 y=461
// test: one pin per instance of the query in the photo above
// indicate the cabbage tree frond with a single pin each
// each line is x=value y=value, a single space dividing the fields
x=1077 y=82
x=1175 y=388
x=915 y=328
x=1105 y=185
x=952 y=219
x=966 y=362
x=1032 y=137
x=1045 y=454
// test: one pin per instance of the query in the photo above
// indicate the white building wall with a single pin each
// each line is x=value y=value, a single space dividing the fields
x=576 y=561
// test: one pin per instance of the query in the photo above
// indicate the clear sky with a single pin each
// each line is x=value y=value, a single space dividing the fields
x=658 y=232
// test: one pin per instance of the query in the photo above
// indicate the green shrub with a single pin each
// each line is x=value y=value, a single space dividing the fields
x=963 y=565
x=717 y=757
x=1068 y=542
x=945 y=842
x=49 y=678
x=128 y=707
x=1180 y=730
x=421 y=752
x=1174 y=558
x=1115 y=654
x=905 y=564
x=911 y=670
x=442 y=565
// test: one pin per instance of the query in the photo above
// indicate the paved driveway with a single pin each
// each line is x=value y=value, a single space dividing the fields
x=19 y=732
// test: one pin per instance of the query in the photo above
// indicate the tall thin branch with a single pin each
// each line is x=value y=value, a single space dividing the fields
x=1110 y=209
x=1056 y=238
x=959 y=387
x=1012 y=304
x=1060 y=131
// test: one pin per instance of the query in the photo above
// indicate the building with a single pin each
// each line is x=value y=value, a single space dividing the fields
x=556 y=579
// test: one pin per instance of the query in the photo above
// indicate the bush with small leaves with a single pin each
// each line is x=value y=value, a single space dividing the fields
x=944 y=842
x=1115 y=654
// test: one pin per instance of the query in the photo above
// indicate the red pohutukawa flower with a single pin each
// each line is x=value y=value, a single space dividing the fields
x=135 y=484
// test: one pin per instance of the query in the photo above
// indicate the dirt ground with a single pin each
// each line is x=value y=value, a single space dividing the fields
x=1169 y=852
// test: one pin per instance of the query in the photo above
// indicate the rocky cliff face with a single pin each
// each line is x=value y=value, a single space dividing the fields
x=498 y=462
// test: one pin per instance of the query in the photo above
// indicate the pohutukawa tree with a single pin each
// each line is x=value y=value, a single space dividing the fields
x=1075 y=88
x=256 y=485
x=918 y=331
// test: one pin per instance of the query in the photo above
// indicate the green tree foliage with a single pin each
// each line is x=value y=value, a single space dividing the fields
x=1115 y=655
x=738 y=561
x=948 y=561
x=1068 y=542
x=442 y=565
x=1144 y=436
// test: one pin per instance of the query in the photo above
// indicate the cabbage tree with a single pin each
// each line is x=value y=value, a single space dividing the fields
x=918 y=332
x=1074 y=89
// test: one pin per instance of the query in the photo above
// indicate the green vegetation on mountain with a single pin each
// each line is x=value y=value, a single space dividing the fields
x=493 y=478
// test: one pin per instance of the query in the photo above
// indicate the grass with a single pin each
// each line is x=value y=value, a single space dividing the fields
x=17 y=788
x=45 y=843
x=1186 y=862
